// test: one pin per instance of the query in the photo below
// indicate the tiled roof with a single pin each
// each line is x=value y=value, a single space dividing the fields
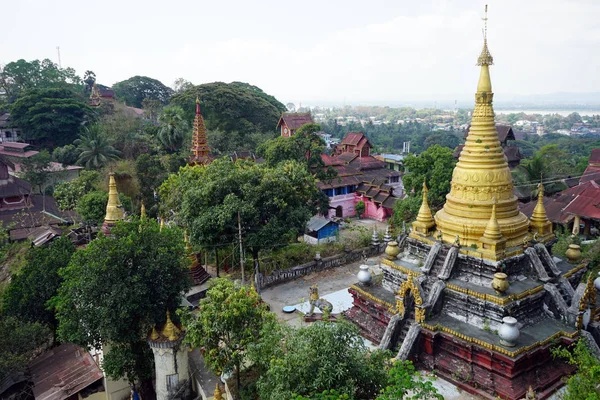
x=591 y=173
x=352 y=138
x=595 y=158
x=295 y=120
x=62 y=372
x=316 y=223
x=588 y=207
x=512 y=153
x=346 y=157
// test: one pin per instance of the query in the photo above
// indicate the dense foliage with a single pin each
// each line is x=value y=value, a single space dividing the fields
x=135 y=90
x=584 y=383
x=20 y=342
x=117 y=288
x=37 y=282
x=274 y=204
x=229 y=320
x=50 y=117
x=234 y=107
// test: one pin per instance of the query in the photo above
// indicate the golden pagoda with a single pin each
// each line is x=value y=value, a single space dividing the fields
x=424 y=223
x=540 y=224
x=114 y=210
x=200 y=150
x=482 y=180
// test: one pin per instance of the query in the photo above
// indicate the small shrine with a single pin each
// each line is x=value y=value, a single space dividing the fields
x=114 y=209
x=473 y=291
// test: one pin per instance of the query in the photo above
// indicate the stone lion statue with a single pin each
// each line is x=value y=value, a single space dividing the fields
x=315 y=301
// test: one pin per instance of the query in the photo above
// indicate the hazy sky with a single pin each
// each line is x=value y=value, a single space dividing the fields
x=311 y=51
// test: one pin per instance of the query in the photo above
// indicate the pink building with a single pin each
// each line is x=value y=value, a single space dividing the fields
x=361 y=177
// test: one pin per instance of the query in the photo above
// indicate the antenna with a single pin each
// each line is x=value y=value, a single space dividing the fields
x=58 y=51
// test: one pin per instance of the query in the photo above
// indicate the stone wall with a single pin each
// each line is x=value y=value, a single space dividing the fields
x=280 y=276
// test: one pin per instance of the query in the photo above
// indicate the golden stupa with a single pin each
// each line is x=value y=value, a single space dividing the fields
x=481 y=193
x=114 y=211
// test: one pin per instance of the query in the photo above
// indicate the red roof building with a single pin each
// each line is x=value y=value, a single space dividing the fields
x=592 y=172
x=290 y=122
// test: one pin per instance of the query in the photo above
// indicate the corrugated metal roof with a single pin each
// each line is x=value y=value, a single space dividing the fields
x=317 y=222
x=62 y=372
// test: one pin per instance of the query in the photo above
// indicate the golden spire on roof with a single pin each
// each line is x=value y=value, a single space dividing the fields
x=485 y=58
x=154 y=335
x=492 y=230
x=424 y=221
x=481 y=175
x=114 y=211
x=170 y=331
x=539 y=219
x=200 y=150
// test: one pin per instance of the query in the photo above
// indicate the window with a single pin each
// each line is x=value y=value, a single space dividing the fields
x=172 y=382
x=351 y=189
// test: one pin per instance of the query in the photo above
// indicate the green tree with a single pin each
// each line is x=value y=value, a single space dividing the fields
x=151 y=173
x=406 y=210
x=21 y=345
x=436 y=165
x=92 y=206
x=89 y=78
x=308 y=360
x=234 y=107
x=359 y=208
x=68 y=194
x=134 y=90
x=66 y=155
x=404 y=379
x=36 y=170
x=181 y=85
x=50 y=117
x=229 y=320
x=305 y=146
x=116 y=289
x=20 y=76
x=37 y=282
x=173 y=128
x=95 y=148
x=583 y=384
x=274 y=203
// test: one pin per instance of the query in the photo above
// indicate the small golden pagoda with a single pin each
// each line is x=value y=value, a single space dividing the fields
x=424 y=222
x=481 y=178
x=114 y=210
x=200 y=150
x=540 y=225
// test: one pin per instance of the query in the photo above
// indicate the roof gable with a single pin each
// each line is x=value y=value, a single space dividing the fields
x=295 y=120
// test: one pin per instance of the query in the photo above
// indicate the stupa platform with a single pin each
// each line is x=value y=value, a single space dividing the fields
x=474 y=359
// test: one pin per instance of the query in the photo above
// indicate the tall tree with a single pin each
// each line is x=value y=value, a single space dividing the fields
x=274 y=203
x=230 y=319
x=37 y=282
x=36 y=170
x=134 y=90
x=95 y=151
x=173 y=128
x=20 y=76
x=89 y=78
x=50 y=117
x=116 y=289
x=234 y=107
x=181 y=85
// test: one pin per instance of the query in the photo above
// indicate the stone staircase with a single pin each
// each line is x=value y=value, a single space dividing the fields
x=438 y=263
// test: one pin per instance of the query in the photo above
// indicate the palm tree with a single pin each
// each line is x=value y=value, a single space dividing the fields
x=96 y=150
x=173 y=128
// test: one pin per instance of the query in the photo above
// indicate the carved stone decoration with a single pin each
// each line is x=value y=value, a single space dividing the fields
x=587 y=302
x=315 y=301
x=410 y=285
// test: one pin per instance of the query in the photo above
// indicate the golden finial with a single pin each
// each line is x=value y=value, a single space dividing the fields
x=218 y=395
x=143 y=211
x=485 y=58
x=154 y=335
x=170 y=331
x=114 y=211
x=492 y=230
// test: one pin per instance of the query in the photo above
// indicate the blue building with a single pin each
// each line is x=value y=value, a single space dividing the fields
x=320 y=230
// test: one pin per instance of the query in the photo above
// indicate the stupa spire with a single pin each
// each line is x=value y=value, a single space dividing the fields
x=170 y=330
x=114 y=210
x=480 y=176
x=200 y=150
x=492 y=230
x=539 y=220
x=424 y=221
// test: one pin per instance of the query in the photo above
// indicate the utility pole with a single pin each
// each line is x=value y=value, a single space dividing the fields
x=241 y=252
